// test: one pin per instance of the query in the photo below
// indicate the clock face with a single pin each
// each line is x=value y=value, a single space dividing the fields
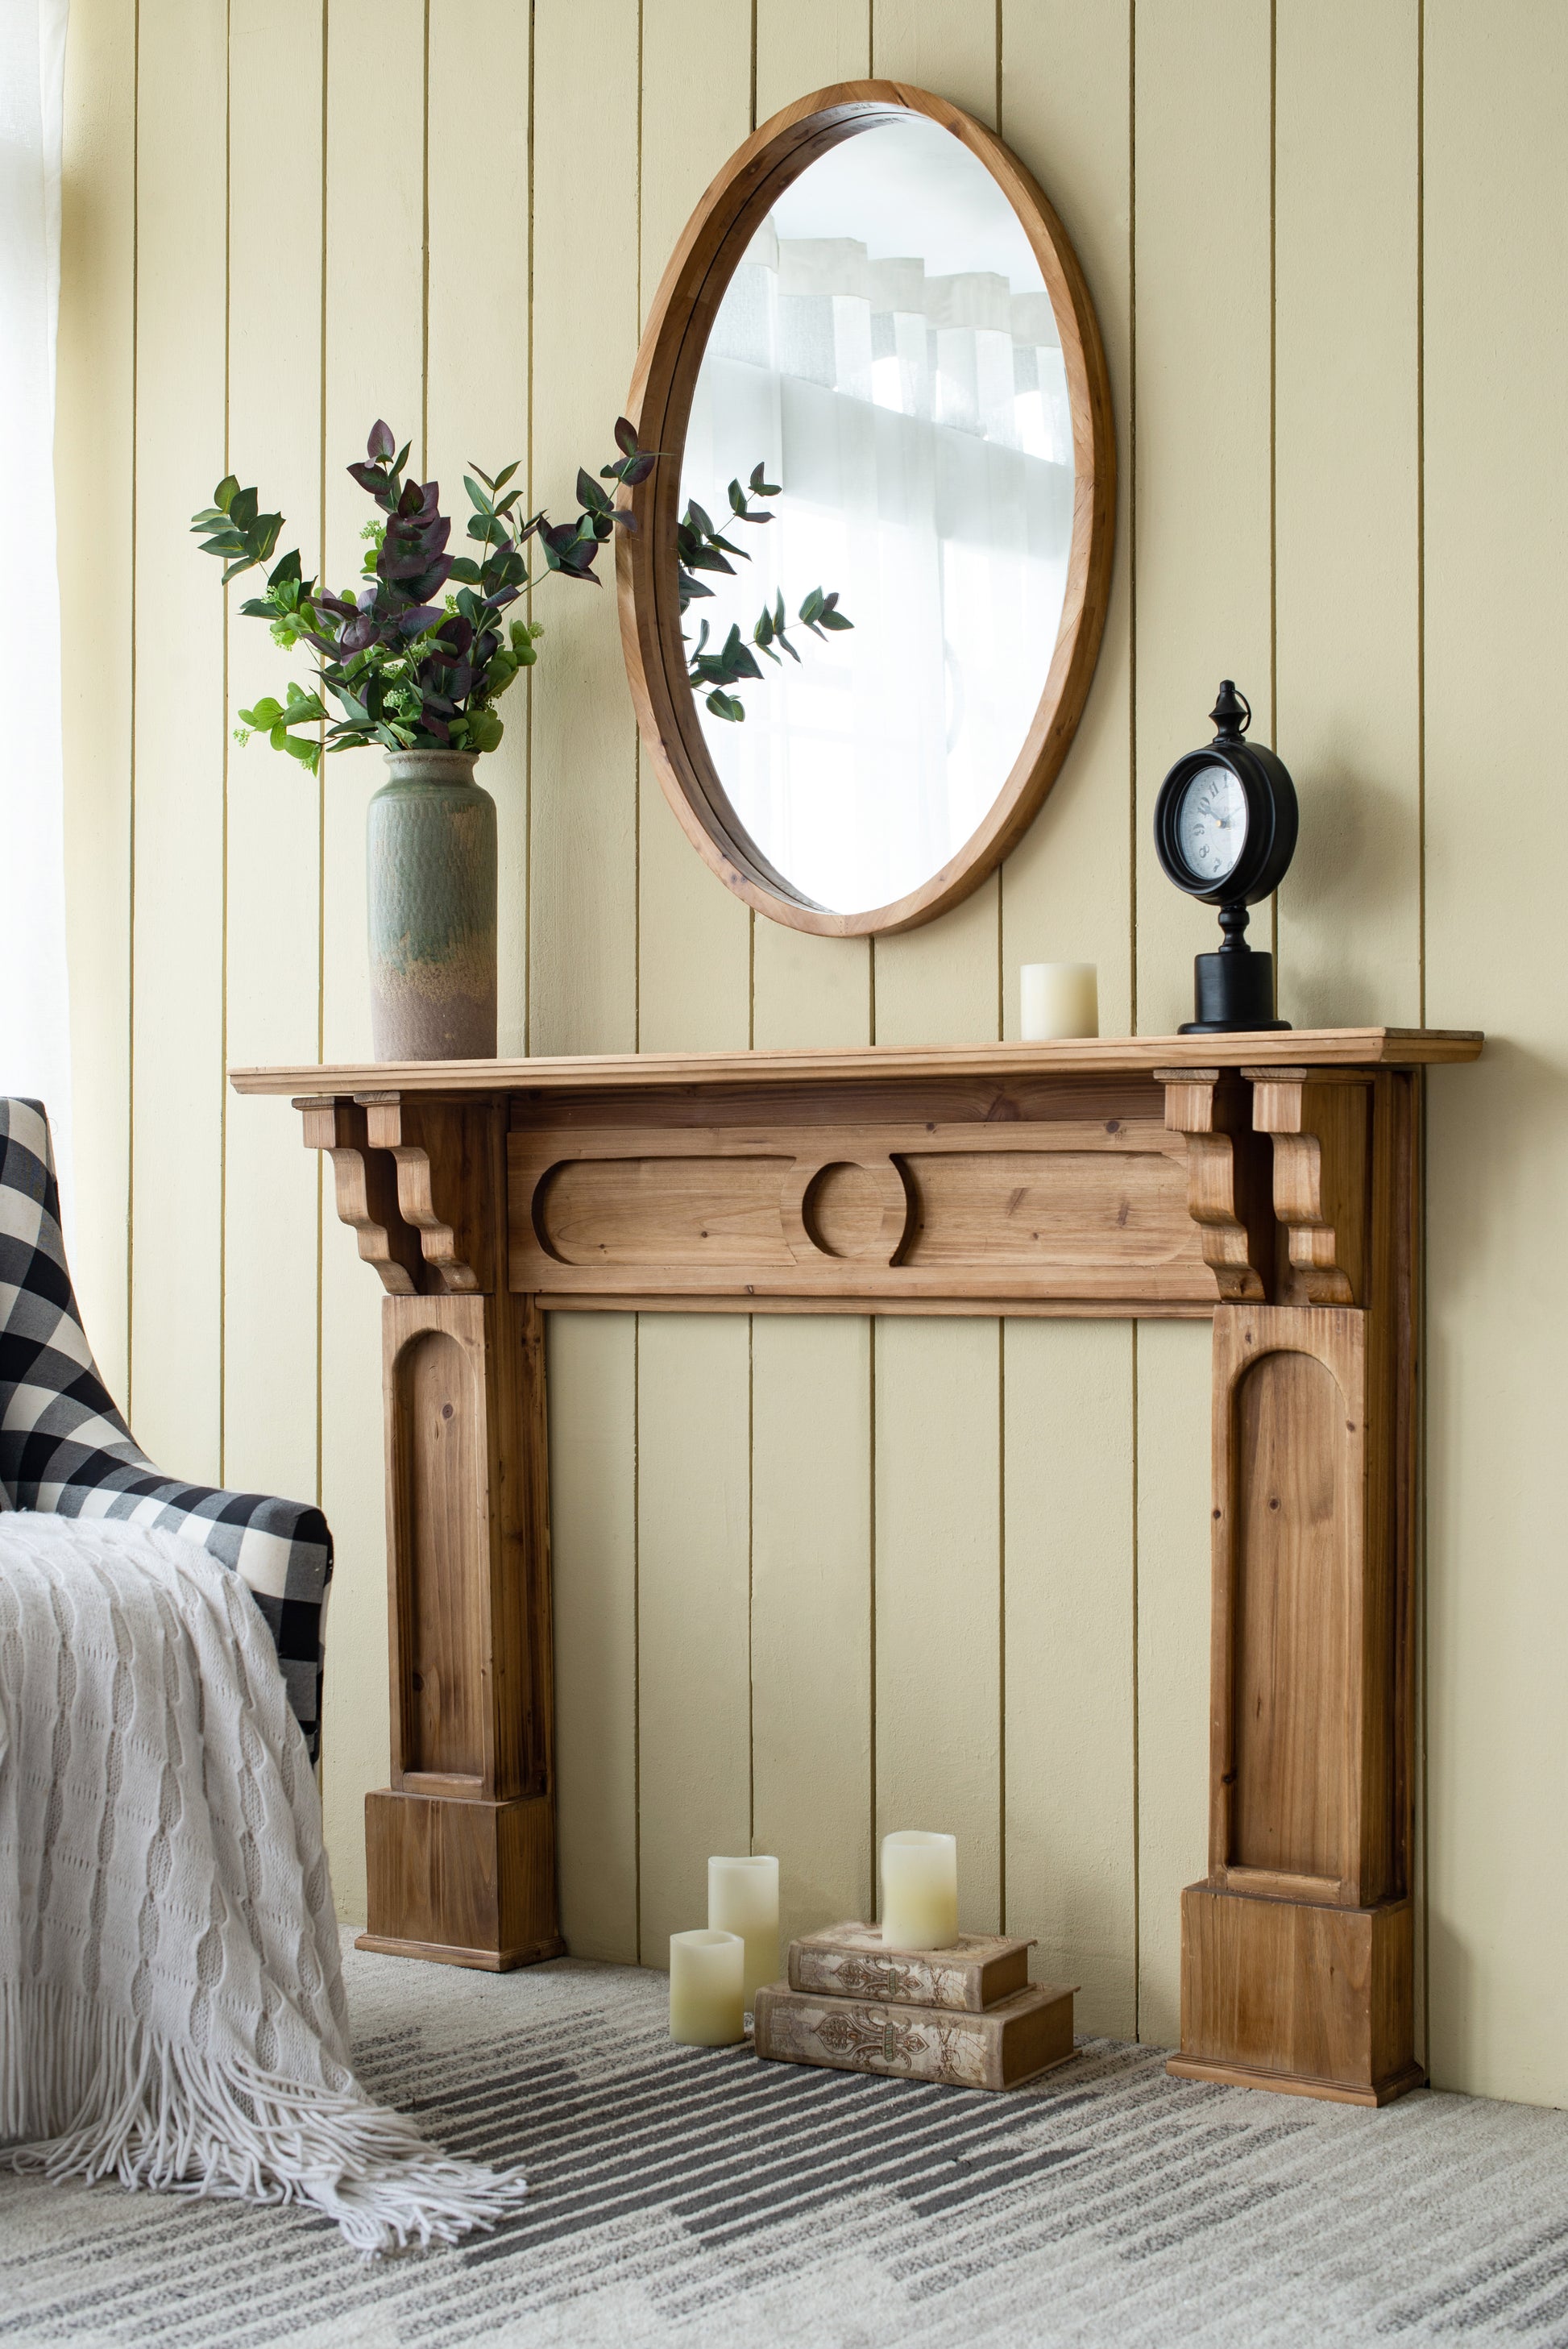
x=1212 y=823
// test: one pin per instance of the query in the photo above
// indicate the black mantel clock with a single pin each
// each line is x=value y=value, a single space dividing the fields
x=1224 y=826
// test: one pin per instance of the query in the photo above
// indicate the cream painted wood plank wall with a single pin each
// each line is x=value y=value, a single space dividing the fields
x=1340 y=482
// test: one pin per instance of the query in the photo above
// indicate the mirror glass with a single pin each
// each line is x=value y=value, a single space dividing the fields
x=886 y=351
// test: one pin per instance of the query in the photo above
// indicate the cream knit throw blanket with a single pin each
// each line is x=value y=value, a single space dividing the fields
x=171 y=2008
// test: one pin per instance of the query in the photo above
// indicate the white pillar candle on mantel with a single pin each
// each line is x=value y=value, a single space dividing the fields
x=1059 y=999
x=743 y=1897
x=706 y=2006
x=920 y=1890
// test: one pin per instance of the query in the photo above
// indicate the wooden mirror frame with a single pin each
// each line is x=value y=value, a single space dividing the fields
x=659 y=405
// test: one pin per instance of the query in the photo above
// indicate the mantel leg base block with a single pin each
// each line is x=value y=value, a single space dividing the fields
x=1288 y=2084
x=1304 y=1997
x=469 y=1883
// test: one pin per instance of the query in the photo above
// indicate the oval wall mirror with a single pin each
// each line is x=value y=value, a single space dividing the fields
x=874 y=326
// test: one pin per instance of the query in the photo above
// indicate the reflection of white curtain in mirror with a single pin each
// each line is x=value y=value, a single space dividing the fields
x=920 y=429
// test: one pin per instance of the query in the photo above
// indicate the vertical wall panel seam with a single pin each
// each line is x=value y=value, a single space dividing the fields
x=1132 y=889
x=1001 y=1342
x=1421 y=509
x=1137 y=1819
x=751 y=1318
x=638 y=751
x=528 y=680
x=223 y=823
x=321 y=800
x=1000 y=1612
x=1419 y=1725
x=1274 y=420
x=637 y=1042
x=751 y=1568
x=999 y=131
x=1001 y=871
x=130 y=822
x=637 y=1631
x=425 y=253
x=871 y=1610
x=1132 y=511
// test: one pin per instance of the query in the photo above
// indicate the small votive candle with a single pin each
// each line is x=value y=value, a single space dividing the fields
x=706 y=2005
x=1059 y=999
x=743 y=1897
x=920 y=1890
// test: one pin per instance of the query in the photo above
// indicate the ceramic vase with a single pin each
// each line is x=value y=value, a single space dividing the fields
x=430 y=850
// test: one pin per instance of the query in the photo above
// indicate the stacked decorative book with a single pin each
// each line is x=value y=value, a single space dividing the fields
x=966 y=2015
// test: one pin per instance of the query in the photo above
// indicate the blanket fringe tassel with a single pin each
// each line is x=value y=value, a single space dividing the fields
x=96 y=2095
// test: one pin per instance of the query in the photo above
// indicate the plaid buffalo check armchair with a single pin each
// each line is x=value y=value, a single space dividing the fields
x=64 y=1448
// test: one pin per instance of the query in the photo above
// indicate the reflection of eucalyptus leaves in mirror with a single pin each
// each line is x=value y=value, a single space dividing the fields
x=700 y=547
x=407 y=672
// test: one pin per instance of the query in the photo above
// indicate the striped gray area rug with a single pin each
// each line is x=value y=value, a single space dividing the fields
x=698 y=2197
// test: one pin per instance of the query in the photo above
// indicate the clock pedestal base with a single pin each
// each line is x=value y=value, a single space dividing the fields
x=1232 y=992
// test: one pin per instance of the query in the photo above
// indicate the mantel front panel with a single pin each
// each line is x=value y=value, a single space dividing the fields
x=1035 y=1198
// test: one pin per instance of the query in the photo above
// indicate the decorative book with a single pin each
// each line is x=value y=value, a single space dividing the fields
x=1006 y=2043
x=854 y=1961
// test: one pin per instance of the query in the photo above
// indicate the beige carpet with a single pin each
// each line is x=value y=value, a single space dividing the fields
x=693 y=2197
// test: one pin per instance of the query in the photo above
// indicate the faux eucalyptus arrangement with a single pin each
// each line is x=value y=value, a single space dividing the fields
x=406 y=671
x=410 y=673
x=417 y=661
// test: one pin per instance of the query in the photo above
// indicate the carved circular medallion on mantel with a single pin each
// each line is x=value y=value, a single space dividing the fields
x=856 y=1211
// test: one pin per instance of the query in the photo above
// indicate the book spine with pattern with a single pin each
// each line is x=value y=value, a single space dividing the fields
x=1010 y=2043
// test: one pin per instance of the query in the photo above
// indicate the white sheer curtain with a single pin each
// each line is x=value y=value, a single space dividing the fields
x=919 y=425
x=35 y=1037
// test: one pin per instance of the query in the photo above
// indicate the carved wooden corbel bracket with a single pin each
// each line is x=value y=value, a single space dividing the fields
x=392 y=1160
x=366 y=1190
x=1227 y=1187
x=1320 y=1123
x=435 y=1146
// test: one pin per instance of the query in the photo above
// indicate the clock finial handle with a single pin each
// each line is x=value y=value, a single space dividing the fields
x=1230 y=707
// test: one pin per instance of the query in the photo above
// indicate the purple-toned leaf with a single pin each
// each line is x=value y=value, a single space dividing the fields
x=625 y=436
x=381 y=444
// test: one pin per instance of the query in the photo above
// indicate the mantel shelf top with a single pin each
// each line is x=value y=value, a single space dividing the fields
x=1091 y=1056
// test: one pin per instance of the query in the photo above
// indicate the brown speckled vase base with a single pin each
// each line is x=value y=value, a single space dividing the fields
x=430 y=857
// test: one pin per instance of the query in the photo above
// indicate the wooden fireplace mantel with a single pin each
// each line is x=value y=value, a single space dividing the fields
x=1267 y=1182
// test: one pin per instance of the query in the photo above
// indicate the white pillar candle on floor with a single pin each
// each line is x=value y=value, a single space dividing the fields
x=706 y=2009
x=1059 y=999
x=743 y=1897
x=920 y=1890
